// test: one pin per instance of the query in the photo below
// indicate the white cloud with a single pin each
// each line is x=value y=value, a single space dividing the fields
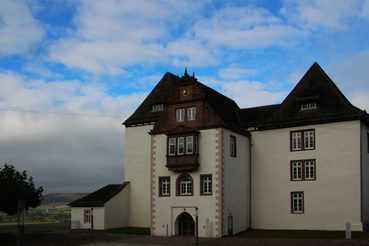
x=365 y=10
x=360 y=99
x=252 y=93
x=19 y=31
x=190 y=53
x=351 y=72
x=245 y=27
x=316 y=13
x=113 y=34
x=82 y=139
x=234 y=72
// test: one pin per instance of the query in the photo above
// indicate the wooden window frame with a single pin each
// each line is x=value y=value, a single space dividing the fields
x=180 y=117
x=175 y=146
x=187 y=144
x=202 y=192
x=87 y=216
x=292 y=203
x=183 y=145
x=159 y=107
x=191 y=113
x=233 y=149
x=178 y=185
x=195 y=145
x=161 y=179
x=302 y=140
x=308 y=106
x=303 y=170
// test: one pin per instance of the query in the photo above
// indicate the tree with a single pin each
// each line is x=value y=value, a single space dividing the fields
x=15 y=186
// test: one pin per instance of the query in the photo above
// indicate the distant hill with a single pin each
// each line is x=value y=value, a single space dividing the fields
x=59 y=199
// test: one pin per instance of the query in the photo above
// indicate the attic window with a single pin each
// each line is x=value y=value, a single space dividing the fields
x=157 y=107
x=308 y=106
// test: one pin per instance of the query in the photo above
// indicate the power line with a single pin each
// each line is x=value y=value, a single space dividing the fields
x=60 y=113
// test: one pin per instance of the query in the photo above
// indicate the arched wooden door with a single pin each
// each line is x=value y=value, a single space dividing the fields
x=186 y=225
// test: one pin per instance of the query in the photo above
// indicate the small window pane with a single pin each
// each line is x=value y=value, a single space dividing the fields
x=185 y=186
x=157 y=107
x=180 y=146
x=233 y=146
x=309 y=139
x=296 y=140
x=191 y=113
x=189 y=145
x=309 y=170
x=297 y=202
x=172 y=146
x=180 y=115
x=164 y=186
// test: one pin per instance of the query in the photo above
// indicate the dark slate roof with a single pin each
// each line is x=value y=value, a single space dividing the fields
x=315 y=86
x=226 y=108
x=158 y=95
x=254 y=116
x=99 y=197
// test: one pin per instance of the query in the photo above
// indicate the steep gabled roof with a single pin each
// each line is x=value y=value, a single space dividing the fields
x=315 y=86
x=158 y=95
x=99 y=197
x=223 y=106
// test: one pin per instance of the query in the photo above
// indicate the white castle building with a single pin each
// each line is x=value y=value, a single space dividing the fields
x=189 y=150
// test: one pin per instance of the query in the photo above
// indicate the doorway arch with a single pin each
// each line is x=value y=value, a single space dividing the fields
x=185 y=225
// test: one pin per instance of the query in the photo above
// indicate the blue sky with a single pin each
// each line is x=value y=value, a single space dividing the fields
x=72 y=71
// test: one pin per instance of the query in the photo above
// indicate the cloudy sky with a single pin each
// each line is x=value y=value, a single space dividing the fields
x=72 y=71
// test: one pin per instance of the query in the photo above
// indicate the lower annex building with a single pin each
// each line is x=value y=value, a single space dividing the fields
x=189 y=150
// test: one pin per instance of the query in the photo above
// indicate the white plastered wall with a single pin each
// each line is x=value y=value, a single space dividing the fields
x=329 y=201
x=117 y=210
x=167 y=209
x=365 y=173
x=98 y=212
x=236 y=183
x=137 y=171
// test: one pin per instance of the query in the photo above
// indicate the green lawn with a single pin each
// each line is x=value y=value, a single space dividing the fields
x=130 y=230
x=295 y=234
x=35 y=227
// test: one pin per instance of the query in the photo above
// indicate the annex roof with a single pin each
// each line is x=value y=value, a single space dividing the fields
x=99 y=197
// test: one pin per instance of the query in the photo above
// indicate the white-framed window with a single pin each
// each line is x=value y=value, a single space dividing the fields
x=185 y=185
x=302 y=140
x=308 y=106
x=191 y=113
x=296 y=140
x=87 y=216
x=309 y=169
x=189 y=145
x=303 y=170
x=296 y=170
x=157 y=107
x=206 y=184
x=172 y=146
x=309 y=139
x=180 y=114
x=297 y=202
x=180 y=145
x=164 y=186
x=233 y=146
